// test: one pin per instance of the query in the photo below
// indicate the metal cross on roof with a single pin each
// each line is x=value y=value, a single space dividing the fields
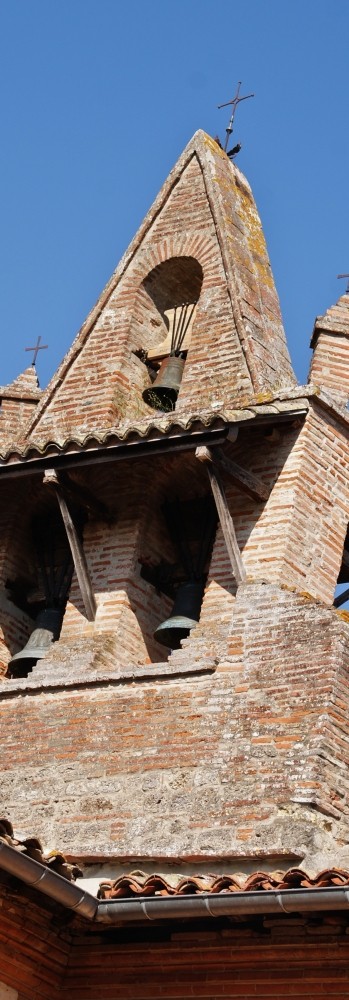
x=38 y=347
x=234 y=103
x=345 y=276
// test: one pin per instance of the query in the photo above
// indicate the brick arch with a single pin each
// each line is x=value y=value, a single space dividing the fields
x=176 y=280
x=203 y=248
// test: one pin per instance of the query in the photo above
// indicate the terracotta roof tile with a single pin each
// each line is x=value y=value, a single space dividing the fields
x=139 y=884
x=32 y=848
x=168 y=425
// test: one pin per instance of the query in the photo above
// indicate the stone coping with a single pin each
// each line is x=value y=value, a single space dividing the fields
x=125 y=675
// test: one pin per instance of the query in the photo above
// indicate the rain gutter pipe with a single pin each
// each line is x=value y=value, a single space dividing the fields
x=50 y=883
x=143 y=909
x=228 y=904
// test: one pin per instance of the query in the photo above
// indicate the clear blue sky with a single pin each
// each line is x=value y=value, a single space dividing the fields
x=98 y=99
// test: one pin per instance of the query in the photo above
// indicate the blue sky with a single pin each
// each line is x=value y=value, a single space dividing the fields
x=98 y=99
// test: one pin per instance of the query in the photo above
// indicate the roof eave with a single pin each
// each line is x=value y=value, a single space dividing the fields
x=144 y=909
x=92 y=450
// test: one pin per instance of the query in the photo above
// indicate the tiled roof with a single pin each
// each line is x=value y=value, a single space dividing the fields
x=32 y=848
x=137 y=883
x=169 y=424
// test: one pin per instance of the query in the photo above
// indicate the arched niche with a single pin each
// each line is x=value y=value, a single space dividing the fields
x=167 y=286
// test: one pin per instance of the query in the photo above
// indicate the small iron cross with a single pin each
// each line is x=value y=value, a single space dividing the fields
x=38 y=347
x=345 y=276
x=234 y=103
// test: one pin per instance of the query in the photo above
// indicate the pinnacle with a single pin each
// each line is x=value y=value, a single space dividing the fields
x=335 y=319
x=27 y=383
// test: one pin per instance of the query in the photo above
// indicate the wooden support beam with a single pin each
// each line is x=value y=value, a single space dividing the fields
x=83 y=496
x=341 y=599
x=205 y=455
x=76 y=548
x=242 y=478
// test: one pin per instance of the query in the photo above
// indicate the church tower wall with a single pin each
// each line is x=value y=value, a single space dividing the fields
x=233 y=745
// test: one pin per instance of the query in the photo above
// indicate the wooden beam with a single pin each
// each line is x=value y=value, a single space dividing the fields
x=82 y=495
x=205 y=455
x=242 y=478
x=76 y=548
x=341 y=599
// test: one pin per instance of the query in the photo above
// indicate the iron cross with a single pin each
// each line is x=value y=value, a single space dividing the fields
x=234 y=103
x=38 y=347
x=345 y=276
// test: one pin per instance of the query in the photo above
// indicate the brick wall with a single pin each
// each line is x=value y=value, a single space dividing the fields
x=274 y=957
x=295 y=538
x=329 y=364
x=205 y=213
x=247 y=761
x=46 y=954
x=34 y=947
x=18 y=402
x=243 y=761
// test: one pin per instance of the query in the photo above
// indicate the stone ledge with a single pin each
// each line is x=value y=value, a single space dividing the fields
x=128 y=675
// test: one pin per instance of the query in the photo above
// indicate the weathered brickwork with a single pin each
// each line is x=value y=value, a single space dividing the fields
x=289 y=957
x=205 y=213
x=18 y=402
x=250 y=761
x=34 y=947
x=45 y=955
x=329 y=365
x=234 y=745
x=273 y=535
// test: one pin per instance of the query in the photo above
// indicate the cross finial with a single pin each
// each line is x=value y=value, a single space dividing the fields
x=38 y=347
x=345 y=276
x=234 y=103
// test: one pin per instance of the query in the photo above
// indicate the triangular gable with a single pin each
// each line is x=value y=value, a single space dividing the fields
x=205 y=212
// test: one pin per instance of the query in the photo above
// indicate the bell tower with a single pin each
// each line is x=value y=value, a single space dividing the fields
x=192 y=701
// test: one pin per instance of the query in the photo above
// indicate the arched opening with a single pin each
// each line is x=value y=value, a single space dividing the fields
x=168 y=299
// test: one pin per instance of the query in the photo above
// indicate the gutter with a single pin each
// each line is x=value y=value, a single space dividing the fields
x=46 y=881
x=144 y=909
x=222 y=905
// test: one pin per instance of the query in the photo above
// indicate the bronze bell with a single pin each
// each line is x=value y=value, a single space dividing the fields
x=185 y=614
x=47 y=629
x=162 y=394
